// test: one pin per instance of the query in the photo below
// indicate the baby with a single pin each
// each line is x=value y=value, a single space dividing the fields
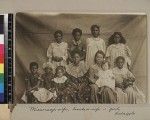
x=106 y=77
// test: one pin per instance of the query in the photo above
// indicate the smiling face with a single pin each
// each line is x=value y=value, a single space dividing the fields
x=60 y=73
x=58 y=37
x=77 y=36
x=99 y=58
x=120 y=63
x=95 y=32
x=76 y=58
x=117 y=38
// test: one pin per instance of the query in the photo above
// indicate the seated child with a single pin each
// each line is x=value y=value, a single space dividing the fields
x=106 y=77
x=31 y=82
x=61 y=85
x=44 y=92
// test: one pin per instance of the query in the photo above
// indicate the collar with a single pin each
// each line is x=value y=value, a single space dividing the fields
x=60 y=80
x=76 y=42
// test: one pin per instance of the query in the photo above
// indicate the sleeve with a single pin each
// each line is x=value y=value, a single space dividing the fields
x=130 y=75
x=108 y=52
x=65 y=56
x=104 y=46
x=50 y=52
x=93 y=75
x=128 y=51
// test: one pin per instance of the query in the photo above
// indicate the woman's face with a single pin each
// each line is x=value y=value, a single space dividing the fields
x=77 y=58
x=77 y=36
x=99 y=58
x=120 y=63
x=58 y=38
x=59 y=73
x=117 y=38
x=95 y=32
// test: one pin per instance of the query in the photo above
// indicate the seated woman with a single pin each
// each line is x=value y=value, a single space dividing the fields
x=95 y=72
x=126 y=91
x=62 y=85
x=106 y=81
x=77 y=70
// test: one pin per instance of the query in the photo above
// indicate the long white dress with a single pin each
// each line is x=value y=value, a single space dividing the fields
x=92 y=46
x=115 y=50
x=58 y=50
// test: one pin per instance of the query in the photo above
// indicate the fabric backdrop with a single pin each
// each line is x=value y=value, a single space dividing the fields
x=34 y=33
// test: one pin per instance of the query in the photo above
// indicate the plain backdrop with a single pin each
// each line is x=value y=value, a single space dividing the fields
x=105 y=6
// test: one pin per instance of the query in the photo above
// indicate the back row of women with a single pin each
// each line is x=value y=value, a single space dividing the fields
x=85 y=73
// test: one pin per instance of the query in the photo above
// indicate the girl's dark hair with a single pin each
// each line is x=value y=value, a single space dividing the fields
x=112 y=41
x=76 y=51
x=33 y=64
x=93 y=26
x=76 y=30
x=118 y=58
x=58 y=31
x=99 y=52
x=60 y=68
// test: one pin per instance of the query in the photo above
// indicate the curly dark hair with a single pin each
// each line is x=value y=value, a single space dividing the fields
x=76 y=51
x=58 y=31
x=62 y=68
x=111 y=39
x=76 y=30
x=118 y=58
x=95 y=26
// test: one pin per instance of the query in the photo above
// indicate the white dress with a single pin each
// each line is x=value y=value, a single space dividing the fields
x=115 y=50
x=106 y=78
x=92 y=46
x=58 y=50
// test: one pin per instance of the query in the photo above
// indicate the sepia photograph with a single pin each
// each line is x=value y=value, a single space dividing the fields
x=80 y=58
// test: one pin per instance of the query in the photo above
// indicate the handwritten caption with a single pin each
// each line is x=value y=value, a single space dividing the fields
x=113 y=110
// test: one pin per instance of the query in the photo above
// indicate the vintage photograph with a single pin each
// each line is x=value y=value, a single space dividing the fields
x=80 y=58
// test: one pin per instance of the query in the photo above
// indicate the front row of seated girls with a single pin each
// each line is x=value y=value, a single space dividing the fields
x=76 y=84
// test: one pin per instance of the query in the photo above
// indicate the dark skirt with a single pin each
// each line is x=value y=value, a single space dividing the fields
x=107 y=96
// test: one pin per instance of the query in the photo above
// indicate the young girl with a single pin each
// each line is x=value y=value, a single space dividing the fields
x=127 y=92
x=117 y=47
x=93 y=44
x=31 y=83
x=58 y=51
x=77 y=44
x=61 y=84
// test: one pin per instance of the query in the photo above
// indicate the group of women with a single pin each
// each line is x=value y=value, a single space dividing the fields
x=84 y=73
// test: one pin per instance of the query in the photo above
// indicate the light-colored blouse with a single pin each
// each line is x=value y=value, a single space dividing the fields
x=76 y=71
x=92 y=46
x=58 y=50
x=115 y=50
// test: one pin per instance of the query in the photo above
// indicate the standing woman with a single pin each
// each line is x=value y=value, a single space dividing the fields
x=117 y=47
x=93 y=44
x=58 y=51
